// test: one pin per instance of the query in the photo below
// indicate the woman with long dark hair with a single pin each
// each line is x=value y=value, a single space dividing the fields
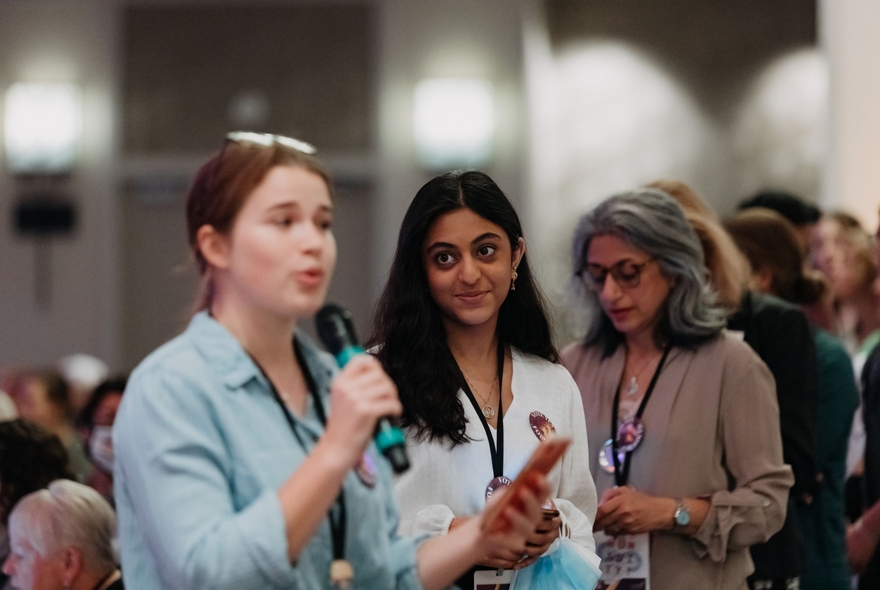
x=462 y=331
x=243 y=457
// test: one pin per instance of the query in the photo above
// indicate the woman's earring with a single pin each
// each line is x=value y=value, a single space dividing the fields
x=513 y=280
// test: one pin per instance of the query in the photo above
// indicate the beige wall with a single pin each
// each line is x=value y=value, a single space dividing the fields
x=76 y=41
x=849 y=36
x=312 y=65
x=427 y=38
x=728 y=97
x=114 y=291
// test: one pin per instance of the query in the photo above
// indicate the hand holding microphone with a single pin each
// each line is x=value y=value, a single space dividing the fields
x=363 y=384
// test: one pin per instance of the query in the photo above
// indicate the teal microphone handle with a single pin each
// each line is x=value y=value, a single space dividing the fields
x=348 y=353
x=389 y=439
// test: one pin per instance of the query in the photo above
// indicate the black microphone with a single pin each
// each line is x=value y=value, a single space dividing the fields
x=336 y=330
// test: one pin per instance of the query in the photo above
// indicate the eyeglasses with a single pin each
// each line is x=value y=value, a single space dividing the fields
x=625 y=273
x=267 y=139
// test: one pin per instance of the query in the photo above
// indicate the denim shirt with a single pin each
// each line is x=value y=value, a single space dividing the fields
x=202 y=448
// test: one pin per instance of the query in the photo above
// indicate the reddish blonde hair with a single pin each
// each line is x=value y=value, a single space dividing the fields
x=728 y=268
x=689 y=200
x=223 y=185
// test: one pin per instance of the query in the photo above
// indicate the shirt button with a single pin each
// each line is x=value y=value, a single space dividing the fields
x=766 y=503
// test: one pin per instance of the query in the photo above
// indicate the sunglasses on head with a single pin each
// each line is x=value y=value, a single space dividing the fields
x=263 y=139
x=268 y=139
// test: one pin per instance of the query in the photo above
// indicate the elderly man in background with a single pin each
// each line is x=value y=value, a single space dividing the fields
x=61 y=538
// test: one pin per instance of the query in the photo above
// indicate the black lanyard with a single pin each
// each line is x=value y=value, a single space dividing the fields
x=497 y=453
x=337 y=515
x=621 y=476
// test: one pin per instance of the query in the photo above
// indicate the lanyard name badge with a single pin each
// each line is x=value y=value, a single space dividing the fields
x=341 y=571
x=625 y=558
x=496 y=449
x=493 y=579
x=625 y=561
x=616 y=454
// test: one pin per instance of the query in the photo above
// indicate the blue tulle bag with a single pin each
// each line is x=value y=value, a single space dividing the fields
x=564 y=569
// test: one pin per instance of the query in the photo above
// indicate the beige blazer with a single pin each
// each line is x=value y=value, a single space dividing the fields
x=711 y=430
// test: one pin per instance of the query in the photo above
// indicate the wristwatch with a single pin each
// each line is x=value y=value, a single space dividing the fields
x=682 y=516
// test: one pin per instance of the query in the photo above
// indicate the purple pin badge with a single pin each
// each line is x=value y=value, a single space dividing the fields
x=541 y=425
x=496 y=484
x=366 y=470
x=606 y=457
x=630 y=434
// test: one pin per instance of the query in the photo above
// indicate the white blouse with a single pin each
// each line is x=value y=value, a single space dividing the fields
x=445 y=482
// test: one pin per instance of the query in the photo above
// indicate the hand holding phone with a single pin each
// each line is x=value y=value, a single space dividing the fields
x=548 y=453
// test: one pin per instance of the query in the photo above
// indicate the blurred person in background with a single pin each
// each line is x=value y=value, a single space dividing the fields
x=61 y=538
x=863 y=535
x=803 y=216
x=845 y=254
x=780 y=333
x=863 y=548
x=771 y=245
x=43 y=397
x=30 y=458
x=699 y=468
x=96 y=422
x=8 y=384
x=729 y=271
x=83 y=373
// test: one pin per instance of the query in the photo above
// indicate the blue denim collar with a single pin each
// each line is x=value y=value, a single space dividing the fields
x=229 y=359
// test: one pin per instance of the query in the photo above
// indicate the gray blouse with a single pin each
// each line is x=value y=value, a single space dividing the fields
x=711 y=431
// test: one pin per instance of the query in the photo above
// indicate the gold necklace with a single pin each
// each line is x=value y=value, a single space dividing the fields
x=487 y=409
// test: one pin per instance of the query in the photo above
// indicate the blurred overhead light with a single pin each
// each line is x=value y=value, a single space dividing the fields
x=454 y=122
x=42 y=123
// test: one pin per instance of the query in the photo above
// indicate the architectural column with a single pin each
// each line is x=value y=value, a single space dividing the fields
x=848 y=30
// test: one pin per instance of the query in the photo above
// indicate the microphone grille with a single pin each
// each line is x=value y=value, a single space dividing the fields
x=335 y=327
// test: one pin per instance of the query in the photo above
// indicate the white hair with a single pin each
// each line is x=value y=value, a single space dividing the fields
x=67 y=514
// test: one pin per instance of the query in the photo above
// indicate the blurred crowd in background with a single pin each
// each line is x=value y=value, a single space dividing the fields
x=57 y=421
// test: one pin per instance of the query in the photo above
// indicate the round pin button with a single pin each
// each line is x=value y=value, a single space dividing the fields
x=630 y=434
x=541 y=425
x=497 y=484
x=366 y=471
x=606 y=457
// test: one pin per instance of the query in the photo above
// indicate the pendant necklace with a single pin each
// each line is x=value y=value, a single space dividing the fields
x=496 y=443
x=632 y=387
x=487 y=410
x=626 y=436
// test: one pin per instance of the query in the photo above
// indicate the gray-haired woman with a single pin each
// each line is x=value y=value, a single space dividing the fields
x=62 y=539
x=681 y=416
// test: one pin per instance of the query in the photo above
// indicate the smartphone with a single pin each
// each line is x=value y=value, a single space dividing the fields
x=548 y=453
x=550 y=514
